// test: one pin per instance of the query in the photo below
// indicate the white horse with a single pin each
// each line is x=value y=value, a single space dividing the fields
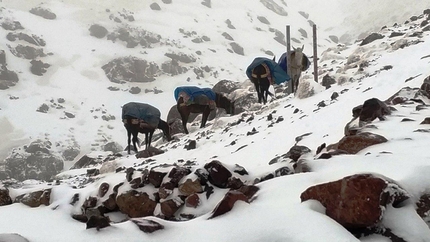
x=297 y=65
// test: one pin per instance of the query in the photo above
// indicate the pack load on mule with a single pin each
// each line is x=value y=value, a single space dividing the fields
x=299 y=62
x=196 y=95
x=264 y=72
x=142 y=118
x=192 y=99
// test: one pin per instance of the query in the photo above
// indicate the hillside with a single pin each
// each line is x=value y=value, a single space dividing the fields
x=73 y=76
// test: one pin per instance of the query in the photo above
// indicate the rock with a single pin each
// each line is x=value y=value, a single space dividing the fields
x=218 y=174
x=372 y=37
x=38 y=68
x=228 y=202
x=130 y=69
x=35 y=199
x=136 y=204
x=147 y=225
x=357 y=201
x=5 y=199
x=98 y=222
x=169 y=207
x=151 y=151
x=327 y=81
x=27 y=52
x=192 y=201
x=297 y=151
x=98 y=31
x=190 y=187
x=373 y=108
x=354 y=143
x=237 y=48
x=44 y=13
x=39 y=165
x=156 y=177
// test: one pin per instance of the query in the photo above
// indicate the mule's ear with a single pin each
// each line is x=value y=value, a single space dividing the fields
x=303 y=47
x=293 y=48
x=274 y=58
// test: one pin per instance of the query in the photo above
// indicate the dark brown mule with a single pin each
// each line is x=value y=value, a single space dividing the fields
x=185 y=110
x=261 y=78
x=135 y=126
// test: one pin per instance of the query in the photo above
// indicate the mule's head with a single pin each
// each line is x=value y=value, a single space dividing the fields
x=165 y=127
x=225 y=103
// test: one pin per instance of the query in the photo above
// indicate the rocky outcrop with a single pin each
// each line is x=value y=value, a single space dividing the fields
x=37 y=162
x=130 y=69
x=352 y=144
x=357 y=201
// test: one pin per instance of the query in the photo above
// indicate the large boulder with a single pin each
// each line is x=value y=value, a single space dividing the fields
x=357 y=201
x=130 y=69
x=37 y=162
x=218 y=174
x=136 y=204
x=352 y=144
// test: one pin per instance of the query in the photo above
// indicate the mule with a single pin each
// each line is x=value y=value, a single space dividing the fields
x=142 y=118
x=201 y=105
x=261 y=78
x=298 y=64
x=263 y=72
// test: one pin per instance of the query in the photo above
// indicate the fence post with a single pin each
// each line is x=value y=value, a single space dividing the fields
x=314 y=30
x=291 y=84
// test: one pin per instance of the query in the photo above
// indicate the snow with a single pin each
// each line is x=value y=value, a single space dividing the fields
x=277 y=213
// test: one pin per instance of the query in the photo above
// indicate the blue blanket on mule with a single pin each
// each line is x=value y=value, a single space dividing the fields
x=278 y=74
x=142 y=111
x=193 y=91
x=282 y=62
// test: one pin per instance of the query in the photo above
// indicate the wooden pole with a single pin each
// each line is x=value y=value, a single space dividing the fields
x=291 y=85
x=314 y=30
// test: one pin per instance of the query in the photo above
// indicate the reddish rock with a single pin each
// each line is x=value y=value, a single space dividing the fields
x=354 y=143
x=356 y=201
x=147 y=225
x=169 y=207
x=35 y=199
x=228 y=202
x=110 y=203
x=249 y=191
x=189 y=187
x=136 y=204
x=192 y=201
x=218 y=174
x=4 y=197
x=156 y=177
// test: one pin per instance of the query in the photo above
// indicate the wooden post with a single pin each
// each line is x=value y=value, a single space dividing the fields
x=291 y=84
x=314 y=30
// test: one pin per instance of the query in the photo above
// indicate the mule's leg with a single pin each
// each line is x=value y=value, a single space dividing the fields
x=257 y=88
x=128 y=139
x=135 y=140
x=184 y=112
x=205 y=116
x=146 y=141
x=150 y=138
